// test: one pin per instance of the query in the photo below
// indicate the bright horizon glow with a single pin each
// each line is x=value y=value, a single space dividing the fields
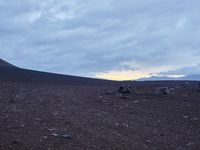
x=123 y=75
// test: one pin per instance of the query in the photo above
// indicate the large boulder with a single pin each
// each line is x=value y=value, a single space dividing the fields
x=125 y=90
x=164 y=91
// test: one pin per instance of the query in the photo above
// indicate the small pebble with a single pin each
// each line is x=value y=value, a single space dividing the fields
x=54 y=134
x=161 y=134
x=16 y=142
x=38 y=119
x=148 y=141
x=55 y=113
x=52 y=129
x=100 y=96
x=45 y=137
x=66 y=136
x=117 y=124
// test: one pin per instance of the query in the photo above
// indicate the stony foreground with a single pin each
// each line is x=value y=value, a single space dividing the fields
x=147 y=115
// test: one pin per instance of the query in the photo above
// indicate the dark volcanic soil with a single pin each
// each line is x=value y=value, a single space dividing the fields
x=35 y=116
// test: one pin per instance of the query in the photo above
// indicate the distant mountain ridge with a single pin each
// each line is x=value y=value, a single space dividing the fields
x=164 y=78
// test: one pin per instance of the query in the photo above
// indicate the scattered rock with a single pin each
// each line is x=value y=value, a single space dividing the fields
x=100 y=97
x=16 y=142
x=66 y=136
x=38 y=119
x=108 y=92
x=125 y=125
x=190 y=143
x=117 y=124
x=45 y=137
x=52 y=129
x=131 y=112
x=164 y=91
x=11 y=101
x=54 y=134
x=161 y=134
x=194 y=118
x=149 y=141
x=125 y=90
x=55 y=113
x=17 y=96
x=101 y=101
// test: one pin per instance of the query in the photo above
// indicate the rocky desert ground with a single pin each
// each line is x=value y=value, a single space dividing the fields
x=120 y=116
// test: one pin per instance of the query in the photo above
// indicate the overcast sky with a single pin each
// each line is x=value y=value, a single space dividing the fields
x=113 y=39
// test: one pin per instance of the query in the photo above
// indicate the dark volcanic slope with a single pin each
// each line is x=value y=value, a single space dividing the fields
x=5 y=64
x=11 y=73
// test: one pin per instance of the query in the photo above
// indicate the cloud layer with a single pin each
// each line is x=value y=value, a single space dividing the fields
x=99 y=38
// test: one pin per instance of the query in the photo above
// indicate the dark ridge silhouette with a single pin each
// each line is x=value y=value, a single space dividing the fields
x=6 y=64
x=10 y=72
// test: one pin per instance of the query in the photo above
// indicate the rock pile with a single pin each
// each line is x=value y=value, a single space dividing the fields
x=125 y=90
x=164 y=91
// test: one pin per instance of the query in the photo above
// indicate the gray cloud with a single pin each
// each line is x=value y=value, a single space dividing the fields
x=86 y=37
x=192 y=70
